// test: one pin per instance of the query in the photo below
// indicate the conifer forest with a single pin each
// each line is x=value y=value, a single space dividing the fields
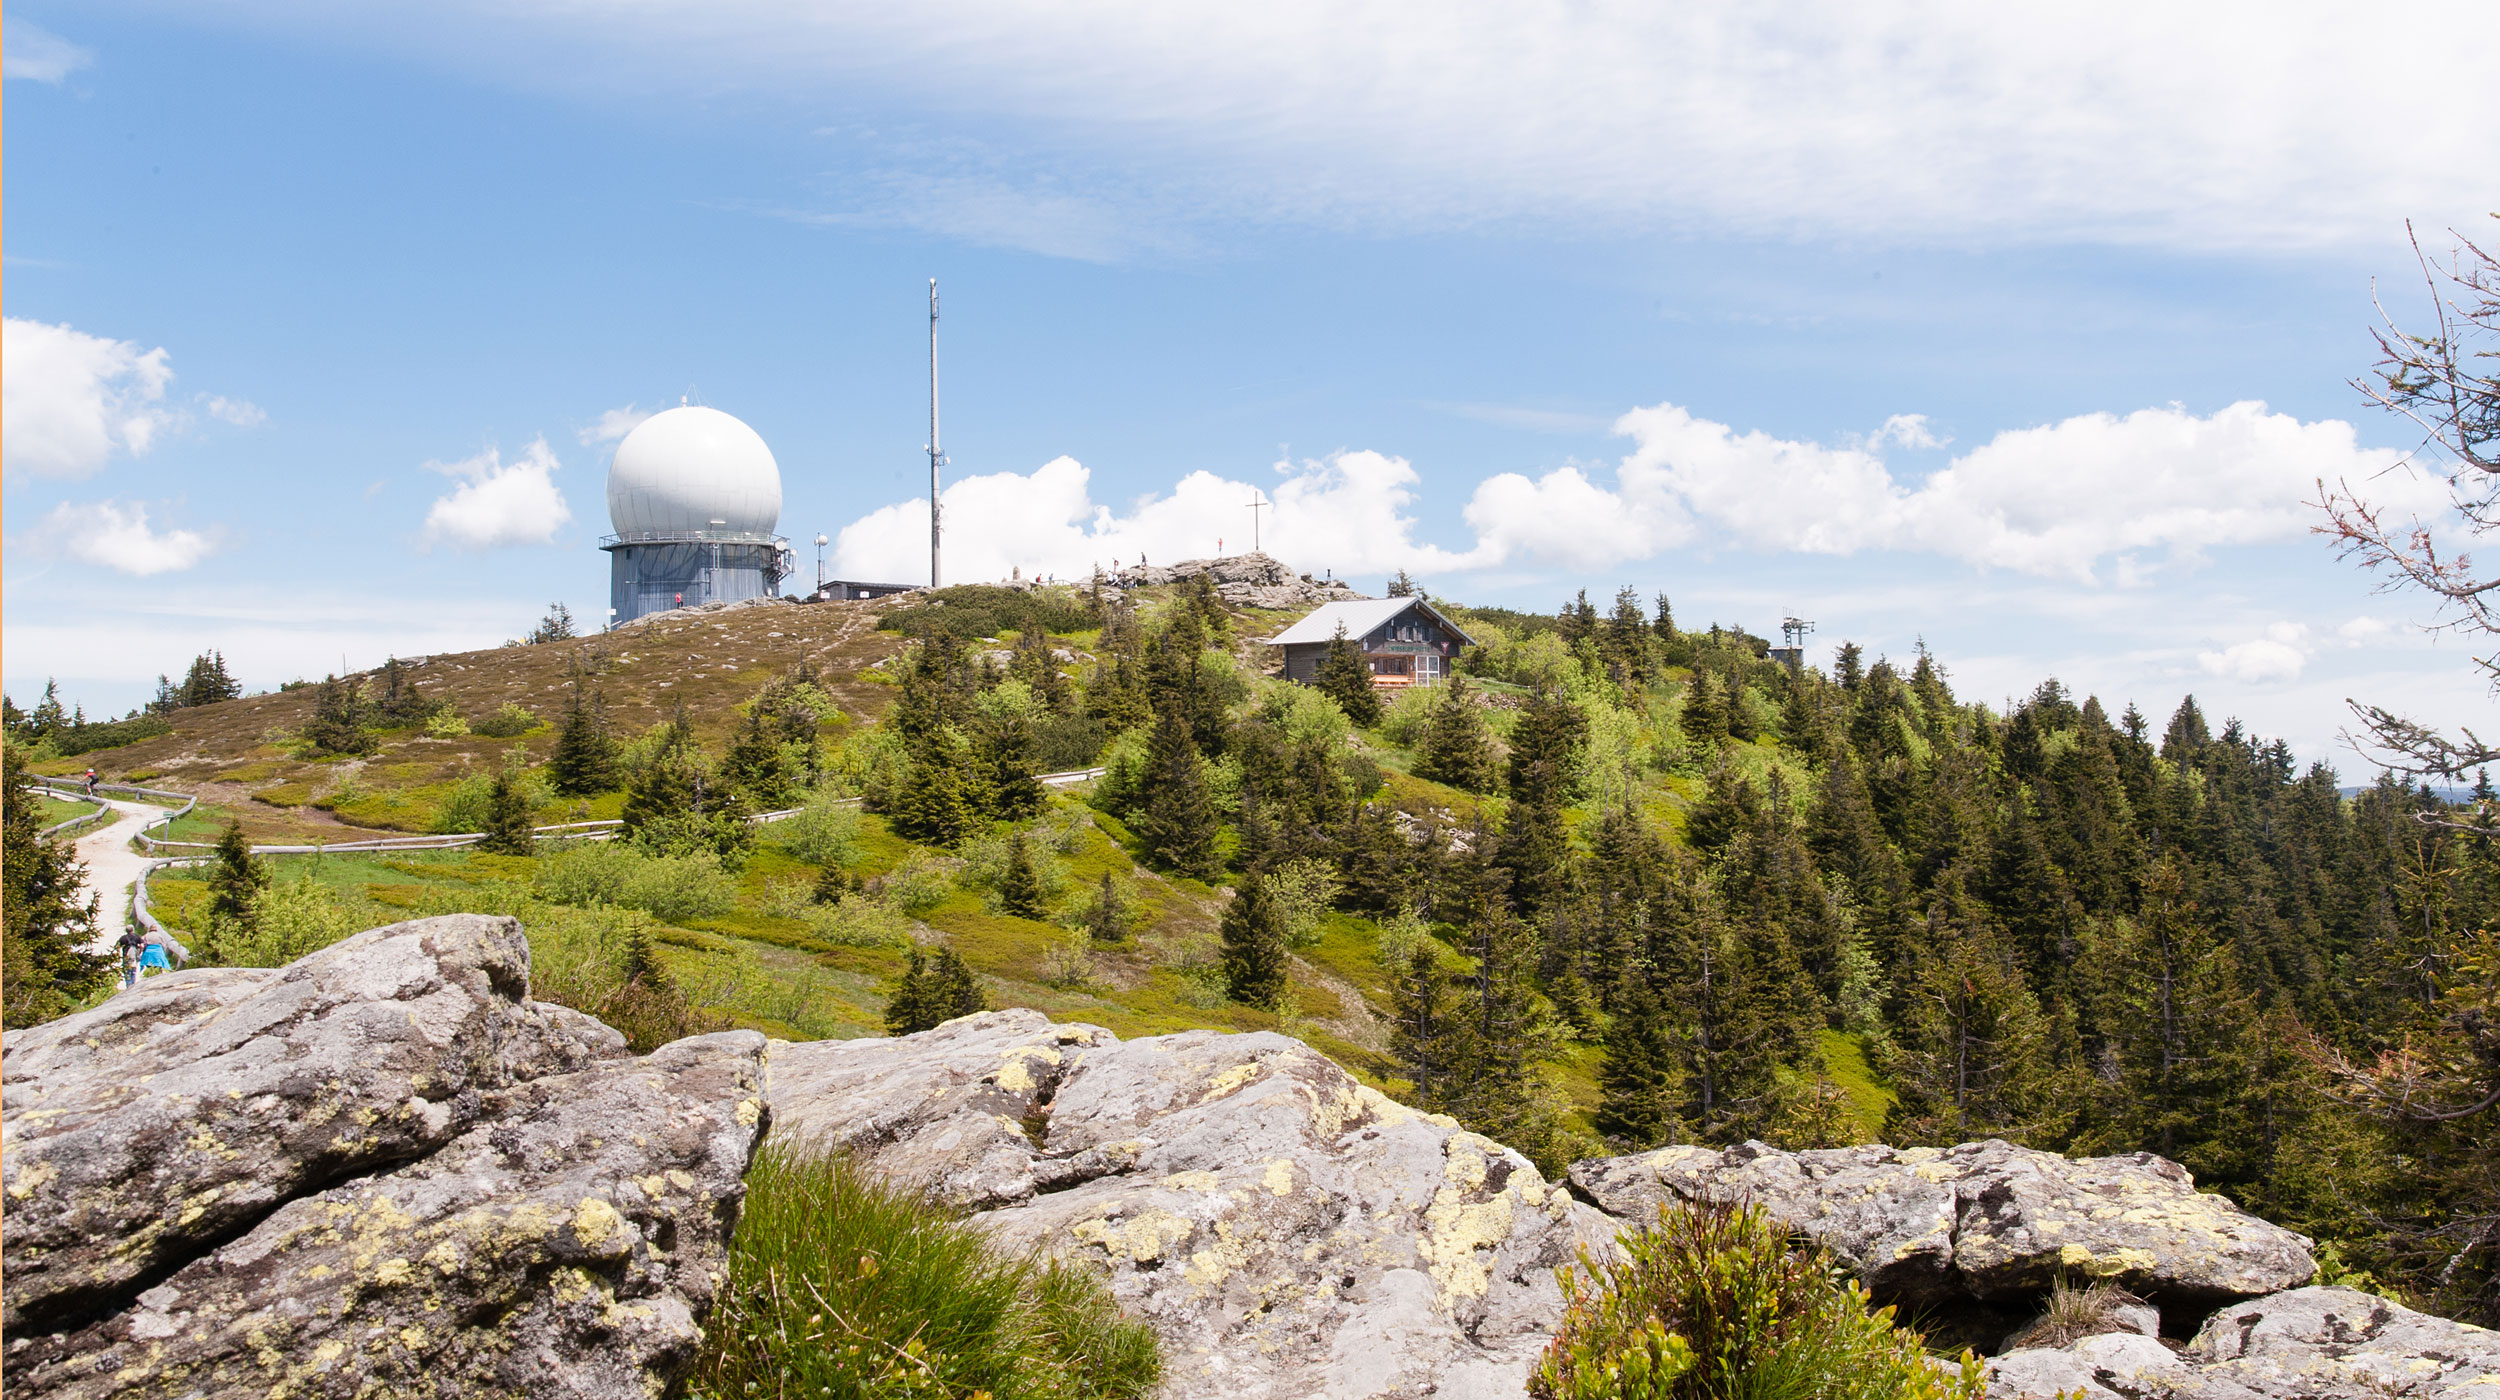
x=2078 y=930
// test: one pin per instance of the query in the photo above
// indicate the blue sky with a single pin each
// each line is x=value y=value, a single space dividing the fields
x=1914 y=321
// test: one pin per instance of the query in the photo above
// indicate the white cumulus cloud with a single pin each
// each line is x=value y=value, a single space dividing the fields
x=1346 y=512
x=2362 y=629
x=36 y=53
x=118 y=536
x=498 y=503
x=70 y=400
x=613 y=425
x=2279 y=655
x=2099 y=495
x=2057 y=500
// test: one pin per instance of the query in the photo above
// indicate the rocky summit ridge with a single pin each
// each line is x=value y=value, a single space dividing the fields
x=385 y=1169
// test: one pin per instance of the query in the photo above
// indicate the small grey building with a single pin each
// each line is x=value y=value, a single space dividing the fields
x=1406 y=641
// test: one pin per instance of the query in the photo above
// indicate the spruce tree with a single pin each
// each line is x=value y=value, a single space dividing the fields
x=1343 y=677
x=1704 y=718
x=1544 y=752
x=1422 y=1015
x=1180 y=820
x=1456 y=746
x=832 y=884
x=1849 y=665
x=1106 y=919
x=1770 y=880
x=1253 y=934
x=1973 y=1054
x=934 y=806
x=1020 y=889
x=1002 y=751
x=1729 y=807
x=508 y=814
x=758 y=766
x=1638 y=1089
x=236 y=882
x=338 y=719
x=2176 y=1017
x=952 y=988
x=1503 y=1032
x=1626 y=643
x=584 y=762
x=43 y=922
x=910 y=1008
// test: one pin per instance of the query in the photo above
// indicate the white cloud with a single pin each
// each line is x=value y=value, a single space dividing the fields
x=2362 y=630
x=118 y=536
x=34 y=52
x=2277 y=656
x=2131 y=495
x=1346 y=512
x=2058 y=500
x=70 y=400
x=1908 y=429
x=613 y=425
x=2233 y=123
x=499 y=503
x=242 y=413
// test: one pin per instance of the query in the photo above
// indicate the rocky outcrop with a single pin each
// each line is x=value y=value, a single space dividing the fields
x=1243 y=580
x=381 y=1169
x=1286 y=1230
x=2298 y=1345
x=385 y=1170
x=1986 y=1220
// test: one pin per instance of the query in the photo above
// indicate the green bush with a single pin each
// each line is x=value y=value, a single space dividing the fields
x=842 y=1286
x=1715 y=1304
x=670 y=888
x=469 y=806
x=920 y=884
x=972 y=611
x=291 y=918
x=857 y=921
x=825 y=832
x=508 y=722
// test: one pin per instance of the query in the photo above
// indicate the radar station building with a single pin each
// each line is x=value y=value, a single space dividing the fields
x=694 y=497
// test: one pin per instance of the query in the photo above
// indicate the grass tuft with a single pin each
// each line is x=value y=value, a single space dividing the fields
x=2072 y=1314
x=1717 y=1303
x=840 y=1285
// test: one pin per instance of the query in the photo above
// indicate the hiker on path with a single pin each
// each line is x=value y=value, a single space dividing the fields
x=160 y=952
x=132 y=946
x=91 y=782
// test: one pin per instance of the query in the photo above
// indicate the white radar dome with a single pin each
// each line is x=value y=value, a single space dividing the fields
x=693 y=470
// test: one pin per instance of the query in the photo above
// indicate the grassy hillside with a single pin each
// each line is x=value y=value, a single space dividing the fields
x=762 y=953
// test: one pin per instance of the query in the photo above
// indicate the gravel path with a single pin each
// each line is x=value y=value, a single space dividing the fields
x=112 y=867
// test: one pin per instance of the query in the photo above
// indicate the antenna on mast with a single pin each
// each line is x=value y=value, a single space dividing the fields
x=937 y=458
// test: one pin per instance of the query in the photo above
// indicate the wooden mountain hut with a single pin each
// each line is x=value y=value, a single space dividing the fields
x=1406 y=641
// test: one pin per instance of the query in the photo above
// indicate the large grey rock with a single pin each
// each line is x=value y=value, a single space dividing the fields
x=1286 y=1230
x=180 y=1113
x=1985 y=1220
x=1252 y=580
x=2111 y=1366
x=2305 y=1344
x=948 y=1112
x=564 y=1246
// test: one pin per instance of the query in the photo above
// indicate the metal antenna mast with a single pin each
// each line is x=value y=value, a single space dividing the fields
x=937 y=458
